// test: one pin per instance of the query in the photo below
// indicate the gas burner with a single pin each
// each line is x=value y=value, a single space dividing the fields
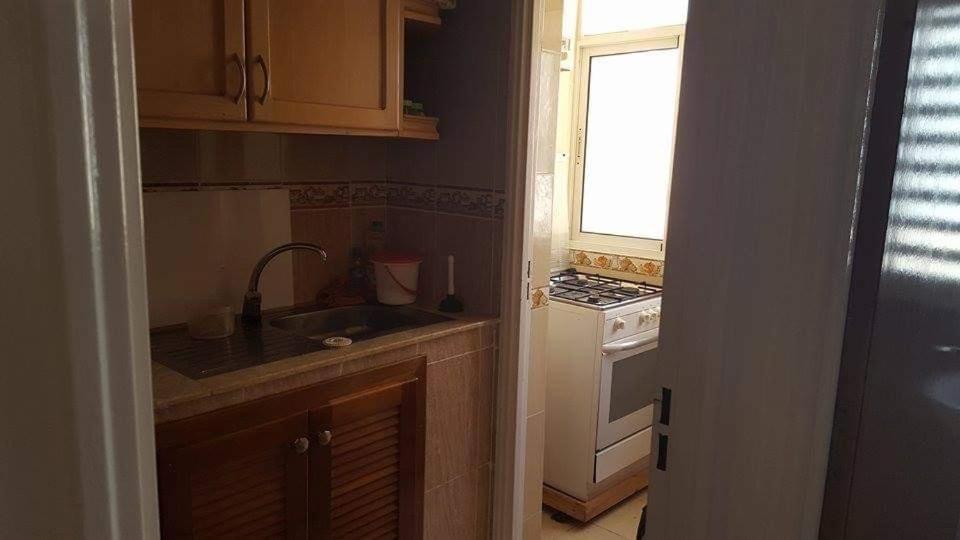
x=597 y=291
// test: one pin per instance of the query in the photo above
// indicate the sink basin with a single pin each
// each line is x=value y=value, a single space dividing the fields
x=355 y=322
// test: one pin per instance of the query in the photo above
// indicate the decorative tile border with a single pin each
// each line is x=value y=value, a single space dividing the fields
x=620 y=263
x=368 y=193
x=540 y=298
x=459 y=201
x=467 y=202
x=499 y=204
x=319 y=196
x=412 y=196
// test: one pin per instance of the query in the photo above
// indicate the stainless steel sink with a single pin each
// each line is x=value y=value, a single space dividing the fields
x=355 y=322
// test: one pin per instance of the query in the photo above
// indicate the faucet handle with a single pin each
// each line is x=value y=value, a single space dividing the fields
x=251 y=307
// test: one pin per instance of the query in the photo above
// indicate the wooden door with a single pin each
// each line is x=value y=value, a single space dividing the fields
x=367 y=467
x=250 y=483
x=190 y=59
x=327 y=63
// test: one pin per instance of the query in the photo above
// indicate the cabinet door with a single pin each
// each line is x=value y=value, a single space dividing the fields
x=367 y=468
x=190 y=59
x=251 y=483
x=329 y=63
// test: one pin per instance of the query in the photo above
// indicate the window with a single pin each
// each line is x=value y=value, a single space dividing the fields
x=606 y=16
x=626 y=122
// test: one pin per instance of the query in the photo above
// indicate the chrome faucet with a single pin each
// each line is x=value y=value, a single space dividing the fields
x=251 y=300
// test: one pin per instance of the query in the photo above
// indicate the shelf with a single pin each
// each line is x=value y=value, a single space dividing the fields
x=419 y=127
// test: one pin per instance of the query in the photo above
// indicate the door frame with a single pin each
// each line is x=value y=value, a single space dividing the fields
x=511 y=410
x=99 y=214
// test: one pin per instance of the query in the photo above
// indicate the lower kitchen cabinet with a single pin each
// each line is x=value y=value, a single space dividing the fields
x=343 y=459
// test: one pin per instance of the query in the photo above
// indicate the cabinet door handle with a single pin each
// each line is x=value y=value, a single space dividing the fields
x=266 y=78
x=301 y=445
x=324 y=437
x=243 y=77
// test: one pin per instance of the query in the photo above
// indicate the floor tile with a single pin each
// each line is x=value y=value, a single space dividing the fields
x=624 y=518
x=618 y=523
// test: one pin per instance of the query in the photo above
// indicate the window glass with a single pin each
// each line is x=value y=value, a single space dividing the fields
x=628 y=154
x=604 y=16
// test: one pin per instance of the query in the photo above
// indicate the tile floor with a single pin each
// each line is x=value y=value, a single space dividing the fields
x=618 y=523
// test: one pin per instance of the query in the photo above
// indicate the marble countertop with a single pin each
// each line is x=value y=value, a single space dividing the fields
x=177 y=396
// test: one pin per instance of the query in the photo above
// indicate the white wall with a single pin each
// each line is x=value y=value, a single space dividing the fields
x=771 y=122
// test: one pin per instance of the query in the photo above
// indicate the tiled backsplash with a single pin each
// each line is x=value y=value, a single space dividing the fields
x=630 y=268
x=338 y=187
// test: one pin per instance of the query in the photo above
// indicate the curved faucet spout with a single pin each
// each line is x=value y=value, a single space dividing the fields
x=251 y=300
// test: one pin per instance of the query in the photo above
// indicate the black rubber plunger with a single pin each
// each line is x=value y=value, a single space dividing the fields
x=450 y=304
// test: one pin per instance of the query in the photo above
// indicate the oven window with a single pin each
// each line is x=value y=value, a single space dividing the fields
x=632 y=384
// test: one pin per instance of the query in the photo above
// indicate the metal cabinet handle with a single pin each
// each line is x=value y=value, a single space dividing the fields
x=324 y=437
x=301 y=445
x=235 y=59
x=266 y=78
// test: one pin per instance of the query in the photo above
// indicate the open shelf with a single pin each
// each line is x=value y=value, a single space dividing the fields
x=419 y=127
x=421 y=21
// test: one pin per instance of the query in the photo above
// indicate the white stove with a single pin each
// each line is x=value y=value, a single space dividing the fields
x=598 y=292
x=601 y=380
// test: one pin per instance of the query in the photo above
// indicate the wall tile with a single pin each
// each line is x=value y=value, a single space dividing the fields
x=331 y=229
x=364 y=158
x=537 y=368
x=542 y=229
x=533 y=466
x=486 y=382
x=532 y=528
x=446 y=347
x=451 y=418
x=416 y=231
x=484 y=502
x=412 y=161
x=313 y=158
x=169 y=156
x=451 y=509
x=362 y=219
x=227 y=157
x=465 y=238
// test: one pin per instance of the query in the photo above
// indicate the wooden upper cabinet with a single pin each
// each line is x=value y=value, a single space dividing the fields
x=369 y=466
x=190 y=59
x=332 y=63
x=249 y=483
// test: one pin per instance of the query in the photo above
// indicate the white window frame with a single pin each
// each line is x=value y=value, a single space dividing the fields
x=665 y=37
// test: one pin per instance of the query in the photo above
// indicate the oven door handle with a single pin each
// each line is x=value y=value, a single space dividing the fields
x=629 y=345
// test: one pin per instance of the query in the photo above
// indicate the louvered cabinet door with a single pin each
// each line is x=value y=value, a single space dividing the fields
x=367 y=465
x=250 y=484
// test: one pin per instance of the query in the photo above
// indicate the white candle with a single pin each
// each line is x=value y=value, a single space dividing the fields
x=450 y=275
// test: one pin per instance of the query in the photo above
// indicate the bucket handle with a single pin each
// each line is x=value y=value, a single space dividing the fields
x=406 y=289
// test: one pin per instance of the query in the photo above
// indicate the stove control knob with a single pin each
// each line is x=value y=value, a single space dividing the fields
x=619 y=324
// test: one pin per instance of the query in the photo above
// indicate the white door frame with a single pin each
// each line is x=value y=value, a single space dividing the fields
x=523 y=76
x=94 y=118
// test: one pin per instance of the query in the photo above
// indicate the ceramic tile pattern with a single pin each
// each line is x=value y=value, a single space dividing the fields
x=335 y=182
x=618 y=523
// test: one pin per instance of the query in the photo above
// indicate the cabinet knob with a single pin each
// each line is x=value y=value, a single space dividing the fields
x=324 y=437
x=301 y=445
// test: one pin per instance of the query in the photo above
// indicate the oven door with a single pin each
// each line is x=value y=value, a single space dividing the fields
x=627 y=387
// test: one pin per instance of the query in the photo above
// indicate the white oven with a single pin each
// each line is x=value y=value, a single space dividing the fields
x=627 y=387
x=601 y=361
